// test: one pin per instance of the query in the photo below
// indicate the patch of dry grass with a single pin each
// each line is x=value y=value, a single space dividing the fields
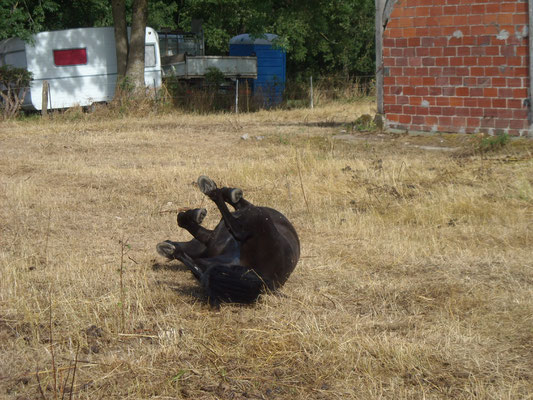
x=415 y=280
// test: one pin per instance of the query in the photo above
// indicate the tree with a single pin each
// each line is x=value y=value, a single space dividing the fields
x=121 y=37
x=135 y=67
x=130 y=56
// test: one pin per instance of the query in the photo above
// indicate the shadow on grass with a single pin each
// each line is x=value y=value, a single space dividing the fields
x=168 y=266
x=194 y=292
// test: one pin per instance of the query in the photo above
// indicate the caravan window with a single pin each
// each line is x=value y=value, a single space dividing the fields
x=70 y=57
x=149 y=55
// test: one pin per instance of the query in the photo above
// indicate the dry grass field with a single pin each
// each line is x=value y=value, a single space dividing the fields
x=415 y=282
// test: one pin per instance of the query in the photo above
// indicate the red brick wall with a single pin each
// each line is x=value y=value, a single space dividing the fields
x=457 y=66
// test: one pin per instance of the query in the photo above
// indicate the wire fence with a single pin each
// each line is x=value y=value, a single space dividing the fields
x=226 y=96
x=244 y=97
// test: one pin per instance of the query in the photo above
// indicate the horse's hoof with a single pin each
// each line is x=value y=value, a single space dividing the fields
x=186 y=217
x=205 y=184
x=199 y=215
x=166 y=249
x=235 y=195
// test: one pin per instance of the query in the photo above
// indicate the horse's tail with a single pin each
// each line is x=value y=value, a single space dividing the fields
x=234 y=284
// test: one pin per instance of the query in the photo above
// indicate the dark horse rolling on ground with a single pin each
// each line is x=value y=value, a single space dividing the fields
x=251 y=250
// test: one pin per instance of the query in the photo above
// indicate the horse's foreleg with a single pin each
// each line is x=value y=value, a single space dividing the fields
x=191 y=220
x=169 y=250
x=209 y=188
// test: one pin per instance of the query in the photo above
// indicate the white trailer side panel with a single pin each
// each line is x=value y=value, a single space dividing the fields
x=73 y=84
x=81 y=83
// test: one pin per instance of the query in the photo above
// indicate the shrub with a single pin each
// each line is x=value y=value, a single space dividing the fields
x=202 y=96
x=14 y=84
x=492 y=143
x=214 y=76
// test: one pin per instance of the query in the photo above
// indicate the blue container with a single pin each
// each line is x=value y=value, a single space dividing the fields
x=271 y=65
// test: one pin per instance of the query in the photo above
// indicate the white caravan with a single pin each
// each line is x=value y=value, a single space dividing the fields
x=80 y=65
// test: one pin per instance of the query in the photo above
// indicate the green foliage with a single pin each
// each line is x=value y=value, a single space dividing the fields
x=22 y=19
x=214 y=76
x=492 y=143
x=162 y=14
x=365 y=123
x=79 y=14
x=14 y=77
x=126 y=85
x=329 y=37
x=89 y=13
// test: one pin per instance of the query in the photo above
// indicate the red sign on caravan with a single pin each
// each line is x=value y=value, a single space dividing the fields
x=70 y=57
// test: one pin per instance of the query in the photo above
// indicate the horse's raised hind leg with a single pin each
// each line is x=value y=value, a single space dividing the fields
x=209 y=188
x=234 y=197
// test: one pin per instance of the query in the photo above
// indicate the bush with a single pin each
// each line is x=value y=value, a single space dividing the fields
x=493 y=143
x=14 y=84
x=214 y=76
x=200 y=96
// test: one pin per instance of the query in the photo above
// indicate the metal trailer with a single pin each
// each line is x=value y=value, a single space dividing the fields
x=196 y=67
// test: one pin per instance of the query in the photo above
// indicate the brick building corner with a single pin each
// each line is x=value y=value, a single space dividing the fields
x=456 y=66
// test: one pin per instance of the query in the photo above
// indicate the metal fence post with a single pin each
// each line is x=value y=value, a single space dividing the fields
x=311 y=100
x=237 y=96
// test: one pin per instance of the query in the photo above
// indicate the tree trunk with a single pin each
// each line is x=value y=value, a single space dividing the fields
x=121 y=37
x=135 y=67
